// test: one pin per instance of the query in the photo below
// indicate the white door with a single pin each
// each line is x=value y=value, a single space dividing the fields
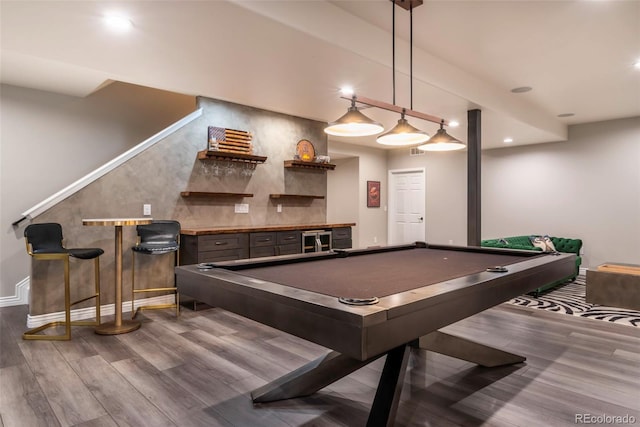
x=406 y=206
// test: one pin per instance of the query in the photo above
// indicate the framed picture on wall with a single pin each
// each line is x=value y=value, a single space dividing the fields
x=373 y=194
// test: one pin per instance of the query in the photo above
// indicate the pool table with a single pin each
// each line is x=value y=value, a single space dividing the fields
x=366 y=303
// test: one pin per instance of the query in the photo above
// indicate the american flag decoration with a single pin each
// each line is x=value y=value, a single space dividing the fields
x=229 y=140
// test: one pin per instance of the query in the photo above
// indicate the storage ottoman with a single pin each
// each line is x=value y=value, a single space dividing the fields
x=614 y=285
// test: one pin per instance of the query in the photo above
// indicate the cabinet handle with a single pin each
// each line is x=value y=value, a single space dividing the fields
x=290 y=238
x=220 y=243
x=267 y=239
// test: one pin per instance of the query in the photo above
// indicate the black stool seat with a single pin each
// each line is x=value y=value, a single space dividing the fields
x=81 y=253
x=156 y=248
x=85 y=253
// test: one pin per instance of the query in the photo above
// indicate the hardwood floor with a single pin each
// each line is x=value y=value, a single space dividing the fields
x=200 y=369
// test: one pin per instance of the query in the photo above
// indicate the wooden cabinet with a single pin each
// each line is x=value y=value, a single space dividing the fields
x=341 y=237
x=262 y=244
x=288 y=242
x=274 y=243
x=213 y=247
x=204 y=245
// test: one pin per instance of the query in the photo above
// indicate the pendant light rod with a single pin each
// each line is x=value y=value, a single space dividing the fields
x=410 y=55
x=393 y=50
x=390 y=107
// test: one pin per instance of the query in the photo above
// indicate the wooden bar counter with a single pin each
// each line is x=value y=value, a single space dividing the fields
x=212 y=244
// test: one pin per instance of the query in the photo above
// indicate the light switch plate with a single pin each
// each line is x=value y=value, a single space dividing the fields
x=242 y=208
x=146 y=209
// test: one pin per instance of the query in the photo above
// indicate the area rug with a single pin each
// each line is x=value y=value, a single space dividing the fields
x=569 y=298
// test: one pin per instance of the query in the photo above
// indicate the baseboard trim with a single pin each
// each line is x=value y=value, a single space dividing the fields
x=90 y=312
x=21 y=296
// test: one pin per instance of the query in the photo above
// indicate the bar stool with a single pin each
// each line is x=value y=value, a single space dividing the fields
x=158 y=238
x=45 y=242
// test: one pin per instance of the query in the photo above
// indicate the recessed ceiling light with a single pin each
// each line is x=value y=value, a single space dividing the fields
x=637 y=64
x=566 y=115
x=454 y=124
x=118 y=23
x=346 y=91
x=521 y=89
x=508 y=140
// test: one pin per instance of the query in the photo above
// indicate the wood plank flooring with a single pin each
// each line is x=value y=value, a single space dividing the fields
x=199 y=370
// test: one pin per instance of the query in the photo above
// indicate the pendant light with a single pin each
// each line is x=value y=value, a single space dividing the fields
x=354 y=123
x=402 y=133
x=442 y=141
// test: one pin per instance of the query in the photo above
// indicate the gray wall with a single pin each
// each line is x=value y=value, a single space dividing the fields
x=371 y=165
x=343 y=194
x=160 y=173
x=49 y=141
x=446 y=192
x=587 y=187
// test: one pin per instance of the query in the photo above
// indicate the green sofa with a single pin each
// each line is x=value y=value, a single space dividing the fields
x=524 y=243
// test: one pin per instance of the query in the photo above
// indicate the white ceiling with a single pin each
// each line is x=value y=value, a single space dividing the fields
x=293 y=56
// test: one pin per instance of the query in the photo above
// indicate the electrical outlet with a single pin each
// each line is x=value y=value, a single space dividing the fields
x=279 y=208
x=146 y=209
x=375 y=239
x=242 y=208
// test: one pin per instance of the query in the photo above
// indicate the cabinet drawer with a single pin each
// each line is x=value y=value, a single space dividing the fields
x=222 y=242
x=289 y=238
x=341 y=233
x=260 y=251
x=342 y=244
x=262 y=239
x=288 y=249
x=223 y=255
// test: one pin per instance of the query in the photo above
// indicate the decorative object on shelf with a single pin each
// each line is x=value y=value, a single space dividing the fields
x=403 y=133
x=322 y=159
x=373 y=194
x=229 y=140
x=305 y=150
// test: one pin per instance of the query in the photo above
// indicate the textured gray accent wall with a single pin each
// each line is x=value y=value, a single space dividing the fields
x=159 y=174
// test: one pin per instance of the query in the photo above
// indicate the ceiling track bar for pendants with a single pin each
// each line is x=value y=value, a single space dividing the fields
x=390 y=107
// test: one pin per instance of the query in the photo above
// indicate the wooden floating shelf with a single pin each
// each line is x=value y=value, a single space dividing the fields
x=299 y=164
x=234 y=157
x=212 y=194
x=294 y=196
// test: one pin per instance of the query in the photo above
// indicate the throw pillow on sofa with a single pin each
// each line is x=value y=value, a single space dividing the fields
x=543 y=242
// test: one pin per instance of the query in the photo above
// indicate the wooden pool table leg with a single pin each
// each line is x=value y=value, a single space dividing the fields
x=385 y=404
x=309 y=378
x=325 y=370
x=468 y=350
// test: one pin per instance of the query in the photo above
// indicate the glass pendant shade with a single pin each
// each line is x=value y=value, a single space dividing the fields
x=353 y=123
x=442 y=141
x=403 y=134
